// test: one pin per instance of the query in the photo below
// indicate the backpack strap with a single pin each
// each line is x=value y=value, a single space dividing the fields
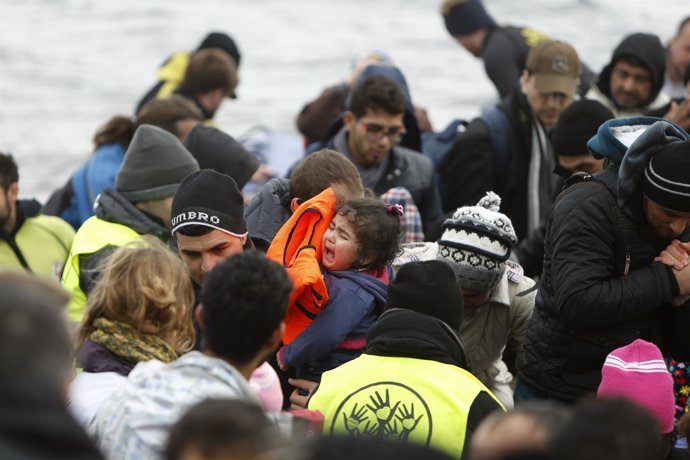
x=499 y=132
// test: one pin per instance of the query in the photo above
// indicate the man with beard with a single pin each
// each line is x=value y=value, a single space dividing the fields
x=630 y=85
x=29 y=240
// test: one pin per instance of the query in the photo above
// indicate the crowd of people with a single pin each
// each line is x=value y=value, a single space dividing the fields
x=512 y=287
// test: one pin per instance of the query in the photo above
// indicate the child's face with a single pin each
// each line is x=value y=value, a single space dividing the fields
x=340 y=245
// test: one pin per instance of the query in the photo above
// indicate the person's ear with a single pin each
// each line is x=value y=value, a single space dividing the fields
x=13 y=191
x=277 y=336
x=295 y=203
x=199 y=317
x=523 y=80
x=349 y=120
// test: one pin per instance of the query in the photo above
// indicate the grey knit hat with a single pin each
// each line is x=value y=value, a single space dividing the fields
x=476 y=242
x=155 y=163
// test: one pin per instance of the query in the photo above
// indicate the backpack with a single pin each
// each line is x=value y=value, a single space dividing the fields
x=437 y=145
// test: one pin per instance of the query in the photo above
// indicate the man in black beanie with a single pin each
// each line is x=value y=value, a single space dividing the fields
x=208 y=221
x=155 y=163
x=615 y=269
x=576 y=125
x=411 y=383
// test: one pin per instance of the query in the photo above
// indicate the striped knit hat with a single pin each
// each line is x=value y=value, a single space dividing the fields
x=666 y=179
x=638 y=372
x=476 y=242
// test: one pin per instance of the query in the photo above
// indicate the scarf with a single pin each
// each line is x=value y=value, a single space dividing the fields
x=541 y=181
x=126 y=342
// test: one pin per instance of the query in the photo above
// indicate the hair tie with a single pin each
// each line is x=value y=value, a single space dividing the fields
x=395 y=209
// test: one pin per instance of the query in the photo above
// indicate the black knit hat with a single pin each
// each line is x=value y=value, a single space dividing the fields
x=427 y=287
x=666 y=179
x=210 y=199
x=576 y=125
x=155 y=163
x=214 y=149
x=224 y=42
x=466 y=18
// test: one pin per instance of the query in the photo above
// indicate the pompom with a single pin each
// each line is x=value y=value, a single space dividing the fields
x=491 y=201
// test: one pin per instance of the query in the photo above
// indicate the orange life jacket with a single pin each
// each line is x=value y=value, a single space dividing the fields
x=297 y=246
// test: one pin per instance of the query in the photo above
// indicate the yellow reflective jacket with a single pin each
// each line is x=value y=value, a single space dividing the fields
x=92 y=236
x=43 y=242
x=404 y=399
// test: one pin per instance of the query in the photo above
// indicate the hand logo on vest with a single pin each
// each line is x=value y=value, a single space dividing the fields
x=387 y=410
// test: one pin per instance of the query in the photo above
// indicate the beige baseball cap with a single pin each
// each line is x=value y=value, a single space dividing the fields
x=555 y=67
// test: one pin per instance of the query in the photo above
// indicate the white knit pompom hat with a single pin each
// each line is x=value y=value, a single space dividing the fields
x=476 y=242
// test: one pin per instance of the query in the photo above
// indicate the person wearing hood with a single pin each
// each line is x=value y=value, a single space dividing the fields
x=379 y=134
x=154 y=165
x=630 y=84
x=412 y=383
x=29 y=240
x=609 y=273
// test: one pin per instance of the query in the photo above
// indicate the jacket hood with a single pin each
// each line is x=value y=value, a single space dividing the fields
x=632 y=142
x=375 y=286
x=113 y=207
x=268 y=211
x=649 y=50
x=406 y=333
x=615 y=136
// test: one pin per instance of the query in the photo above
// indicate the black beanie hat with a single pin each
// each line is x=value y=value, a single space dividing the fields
x=428 y=287
x=576 y=125
x=224 y=42
x=216 y=150
x=210 y=199
x=666 y=179
x=466 y=18
x=155 y=163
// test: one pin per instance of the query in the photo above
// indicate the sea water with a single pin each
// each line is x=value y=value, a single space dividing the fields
x=67 y=66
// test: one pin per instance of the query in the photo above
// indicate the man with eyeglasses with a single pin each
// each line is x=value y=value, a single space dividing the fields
x=373 y=126
x=630 y=85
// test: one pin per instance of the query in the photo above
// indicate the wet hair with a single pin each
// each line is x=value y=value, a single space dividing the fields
x=608 y=429
x=380 y=93
x=220 y=426
x=376 y=228
x=165 y=113
x=320 y=170
x=9 y=173
x=145 y=285
x=543 y=419
x=244 y=301
x=209 y=69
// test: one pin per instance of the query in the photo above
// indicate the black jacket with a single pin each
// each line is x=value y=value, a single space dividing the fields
x=600 y=290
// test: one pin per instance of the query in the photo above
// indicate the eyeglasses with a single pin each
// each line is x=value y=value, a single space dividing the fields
x=376 y=132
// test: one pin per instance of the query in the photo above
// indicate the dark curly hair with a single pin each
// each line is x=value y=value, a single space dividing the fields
x=377 y=230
